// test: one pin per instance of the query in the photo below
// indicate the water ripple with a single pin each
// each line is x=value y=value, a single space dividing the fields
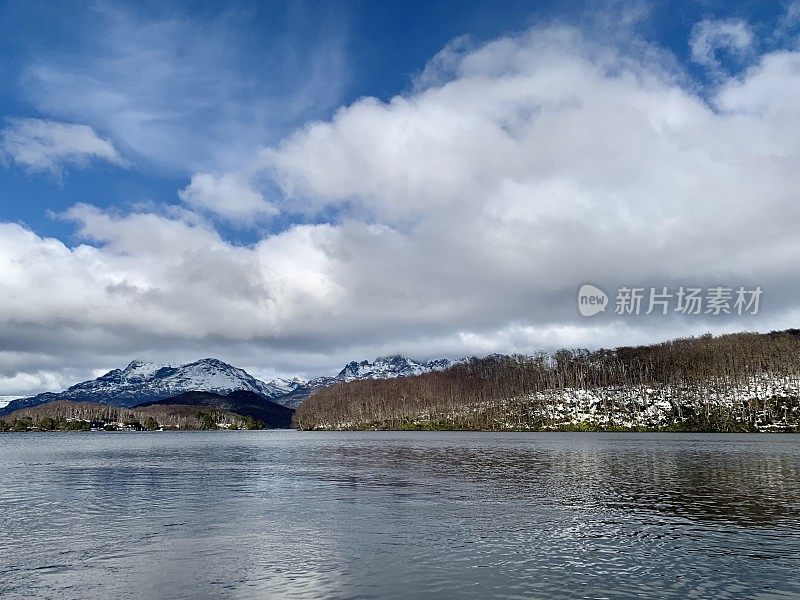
x=390 y=515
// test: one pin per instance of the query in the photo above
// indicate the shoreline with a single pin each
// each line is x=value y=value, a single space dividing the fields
x=421 y=430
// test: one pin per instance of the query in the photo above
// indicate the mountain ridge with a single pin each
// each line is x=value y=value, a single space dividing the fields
x=142 y=382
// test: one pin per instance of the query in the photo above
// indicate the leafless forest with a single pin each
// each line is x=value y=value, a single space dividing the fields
x=737 y=382
x=63 y=414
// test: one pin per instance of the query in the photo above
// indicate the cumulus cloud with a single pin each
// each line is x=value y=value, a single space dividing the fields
x=546 y=160
x=709 y=36
x=42 y=145
x=465 y=216
x=229 y=196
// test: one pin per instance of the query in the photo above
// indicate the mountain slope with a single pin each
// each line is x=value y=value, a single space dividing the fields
x=142 y=382
x=389 y=367
x=735 y=382
x=240 y=402
x=385 y=367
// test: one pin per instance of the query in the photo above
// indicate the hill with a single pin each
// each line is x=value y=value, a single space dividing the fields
x=240 y=402
x=68 y=415
x=737 y=382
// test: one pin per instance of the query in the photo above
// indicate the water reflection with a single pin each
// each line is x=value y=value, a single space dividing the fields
x=337 y=515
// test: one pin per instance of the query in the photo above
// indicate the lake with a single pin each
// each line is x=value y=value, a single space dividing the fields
x=287 y=514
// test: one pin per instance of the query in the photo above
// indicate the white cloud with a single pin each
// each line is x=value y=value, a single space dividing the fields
x=229 y=196
x=42 y=145
x=547 y=160
x=440 y=68
x=709 y=36
x=467 y=213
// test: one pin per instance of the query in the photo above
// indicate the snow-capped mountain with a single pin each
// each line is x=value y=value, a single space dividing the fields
x=285 y=386
x=389 y=367
x=384 y=367
x=142 y=382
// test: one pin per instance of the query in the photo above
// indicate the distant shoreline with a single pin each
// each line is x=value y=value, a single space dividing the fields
x=509 y=431
x=564 y=430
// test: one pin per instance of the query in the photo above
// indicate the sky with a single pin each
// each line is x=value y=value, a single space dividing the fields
x=291 y=186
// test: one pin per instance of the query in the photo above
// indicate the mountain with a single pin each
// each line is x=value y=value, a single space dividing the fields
x=6 y=399
x=146 y=382
x=384 y=367
x=240 y=402
x=142 y=382
x=389 y=367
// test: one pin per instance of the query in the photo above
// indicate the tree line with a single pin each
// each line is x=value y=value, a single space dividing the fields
x=81 y=416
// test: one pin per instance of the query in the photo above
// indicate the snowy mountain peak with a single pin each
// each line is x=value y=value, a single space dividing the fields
x=389 y=367
x=140 y=370
x=396 y=361
x=214 y=363
x=142 y=381
x=287 y=385
x=137 y=364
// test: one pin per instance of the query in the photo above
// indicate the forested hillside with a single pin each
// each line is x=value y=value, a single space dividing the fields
x=737 y=382
x=67 y=415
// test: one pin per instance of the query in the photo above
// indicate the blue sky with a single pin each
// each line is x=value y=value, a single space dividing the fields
x=313 y=163
x=283 y=64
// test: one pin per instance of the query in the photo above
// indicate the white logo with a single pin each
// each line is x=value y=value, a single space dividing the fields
x=591 y=300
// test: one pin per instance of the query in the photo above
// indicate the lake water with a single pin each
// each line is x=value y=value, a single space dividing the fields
x=285 y=514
